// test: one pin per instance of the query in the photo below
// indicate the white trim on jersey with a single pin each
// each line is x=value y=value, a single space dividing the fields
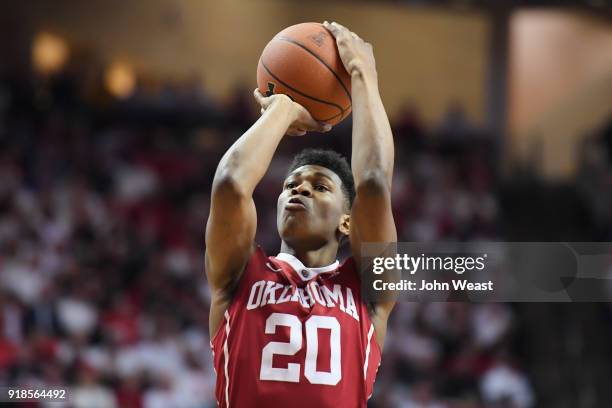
x=367 y=352
x=375 y=374
x=213 y=356
x=272 y=268
x=303 y=271
x=226 y=355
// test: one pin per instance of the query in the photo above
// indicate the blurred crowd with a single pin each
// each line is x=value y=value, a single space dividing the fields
x=594 y=180
x=102 y=214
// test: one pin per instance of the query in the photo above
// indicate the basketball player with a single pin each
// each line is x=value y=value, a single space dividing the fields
x=292 y=330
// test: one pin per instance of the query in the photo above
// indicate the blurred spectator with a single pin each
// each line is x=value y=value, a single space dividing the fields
x=455 y=123
x=408 y=128
x=503 y=386
x=89 y=393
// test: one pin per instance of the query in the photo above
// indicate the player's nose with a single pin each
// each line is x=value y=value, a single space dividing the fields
x=302 y=190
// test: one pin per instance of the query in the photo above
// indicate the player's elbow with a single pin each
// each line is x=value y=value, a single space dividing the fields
x=227 y=177
x=226 y=184
x=373 y=182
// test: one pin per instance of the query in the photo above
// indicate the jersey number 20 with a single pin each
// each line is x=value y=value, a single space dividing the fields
x=292 y=372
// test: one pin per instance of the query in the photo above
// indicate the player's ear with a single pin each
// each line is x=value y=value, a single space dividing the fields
x=345 y=224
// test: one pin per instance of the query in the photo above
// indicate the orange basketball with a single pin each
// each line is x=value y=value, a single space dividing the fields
x=302 y=61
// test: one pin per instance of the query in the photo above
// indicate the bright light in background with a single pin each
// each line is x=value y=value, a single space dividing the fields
x=120 y=80
x=561 y=77
x=49 y=53
x=555 y=54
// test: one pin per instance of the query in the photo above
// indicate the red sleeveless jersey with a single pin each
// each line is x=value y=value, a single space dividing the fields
x=295 y=337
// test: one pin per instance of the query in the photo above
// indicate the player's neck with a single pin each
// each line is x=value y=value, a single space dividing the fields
x=312 y=258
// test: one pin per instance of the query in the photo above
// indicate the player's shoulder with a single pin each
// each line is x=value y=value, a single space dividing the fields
x=348 y=270
x=258 y=252
x=348 y=263
x=258 y=257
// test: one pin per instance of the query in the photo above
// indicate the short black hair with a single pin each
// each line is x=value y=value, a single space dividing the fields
x=331 y=160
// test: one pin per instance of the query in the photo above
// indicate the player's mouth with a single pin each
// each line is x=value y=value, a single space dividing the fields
x=295 y=204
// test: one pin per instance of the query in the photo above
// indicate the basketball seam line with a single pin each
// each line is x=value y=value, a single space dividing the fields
x=333 y=117
x=263 y=64
x=308 y=50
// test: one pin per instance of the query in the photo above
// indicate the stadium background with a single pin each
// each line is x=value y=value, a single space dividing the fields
x=113 y=116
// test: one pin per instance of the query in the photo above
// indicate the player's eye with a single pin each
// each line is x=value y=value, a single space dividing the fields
x=290 y=185
x=321 y=187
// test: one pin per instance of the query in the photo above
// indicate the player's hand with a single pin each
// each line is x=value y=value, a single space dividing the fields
x=356 y=54
x=302 y=121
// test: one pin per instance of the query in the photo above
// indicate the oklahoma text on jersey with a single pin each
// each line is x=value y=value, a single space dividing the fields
x=265 y=293
x=295 y=335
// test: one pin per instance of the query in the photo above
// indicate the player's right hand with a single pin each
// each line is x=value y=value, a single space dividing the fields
x=302 y=121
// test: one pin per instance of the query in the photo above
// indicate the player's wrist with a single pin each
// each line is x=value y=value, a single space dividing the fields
x=361 y=72
x=283 y=107
x=365 y=88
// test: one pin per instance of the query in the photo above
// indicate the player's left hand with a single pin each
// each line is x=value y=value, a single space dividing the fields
x=356 y=54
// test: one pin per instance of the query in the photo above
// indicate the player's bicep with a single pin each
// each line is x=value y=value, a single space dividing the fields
x=371 y=218
x=372 y=222
x=230 y=234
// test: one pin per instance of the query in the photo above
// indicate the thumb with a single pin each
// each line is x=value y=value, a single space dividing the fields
x=324 y=127
x=261 y=100
x=315 y=125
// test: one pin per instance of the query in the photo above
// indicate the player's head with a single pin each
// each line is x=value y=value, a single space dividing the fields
x=314 y=205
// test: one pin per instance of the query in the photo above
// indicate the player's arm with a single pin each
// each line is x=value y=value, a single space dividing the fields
x=230 y=230
x=372 y=157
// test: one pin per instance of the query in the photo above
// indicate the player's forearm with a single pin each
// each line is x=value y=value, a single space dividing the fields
x=248 y=159
x=373 y=151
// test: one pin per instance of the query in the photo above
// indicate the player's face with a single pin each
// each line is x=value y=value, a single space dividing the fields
x=311 y=209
